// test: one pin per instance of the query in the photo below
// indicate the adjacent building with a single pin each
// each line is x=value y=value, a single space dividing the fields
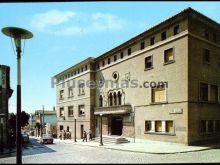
x=163 y=84
x=5 y=94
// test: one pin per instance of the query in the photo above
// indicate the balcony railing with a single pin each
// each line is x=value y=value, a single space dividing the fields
x=120 y=109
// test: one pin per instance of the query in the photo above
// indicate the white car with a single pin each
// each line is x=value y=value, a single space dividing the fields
x=47 y=139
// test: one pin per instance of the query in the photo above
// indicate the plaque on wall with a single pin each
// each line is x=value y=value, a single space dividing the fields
x=176 y=111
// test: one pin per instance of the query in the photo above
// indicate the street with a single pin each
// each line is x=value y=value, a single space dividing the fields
x=61 y=152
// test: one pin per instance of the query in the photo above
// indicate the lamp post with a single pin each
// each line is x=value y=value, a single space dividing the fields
x=75 y=130
x=101 y=144
x=18 y=34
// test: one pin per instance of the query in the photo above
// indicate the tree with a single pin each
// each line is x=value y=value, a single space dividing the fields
x=24 y=120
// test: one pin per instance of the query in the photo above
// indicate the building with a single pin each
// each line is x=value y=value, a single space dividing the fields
x=164 y=85
x=50 y=122
x=5 y=94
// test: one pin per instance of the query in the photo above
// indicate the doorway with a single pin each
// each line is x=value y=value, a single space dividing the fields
x=82 y=129
x=116 y=126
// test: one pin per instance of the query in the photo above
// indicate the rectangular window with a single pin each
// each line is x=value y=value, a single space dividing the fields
x=149 y=62
x=176 y=30
x=168 y=56
x=103 y=63
x=61 y=127
x=142 y=45
x=75 y=72
x=158 y=94
x=61 y=112
x=210 y=126
x=214 y=37
x=163 y=36
x=169 y=126
x=98 y=66
x=206 y=34
x=129 y=51
x=109 y=60
x=214 y=93
x=81 y=110
x=203 y=92
x=158 y=126
x=206 y=56
x=78 y=70
x=81 y=89
x=217 y=125
x=203 y=126
x=70 y=92
x=115 y=58
x=61 y=94
x=81 y=69
x=152 y=40
x=86 y=67
x=70 y=111
x=122 y=55
x=148 y=126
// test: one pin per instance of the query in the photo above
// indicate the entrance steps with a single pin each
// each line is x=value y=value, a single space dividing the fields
x=112 y=139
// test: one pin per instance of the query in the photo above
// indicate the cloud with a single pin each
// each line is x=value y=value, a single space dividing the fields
x=71 y=23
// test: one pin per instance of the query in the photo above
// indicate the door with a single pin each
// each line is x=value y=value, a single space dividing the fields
x=116 y=126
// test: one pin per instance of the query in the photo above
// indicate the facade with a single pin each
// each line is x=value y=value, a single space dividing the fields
x=163 y=84
x=50 y=122
x=5 y=94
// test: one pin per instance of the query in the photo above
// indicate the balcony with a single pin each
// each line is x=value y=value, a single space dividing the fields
x=120 y=109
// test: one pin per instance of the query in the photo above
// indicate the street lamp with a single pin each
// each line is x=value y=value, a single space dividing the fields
x=101 y=144
x=75 y=130
x=18 y=34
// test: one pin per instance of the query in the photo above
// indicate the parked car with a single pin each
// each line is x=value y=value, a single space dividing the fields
x=47 y=139
x=25 y=137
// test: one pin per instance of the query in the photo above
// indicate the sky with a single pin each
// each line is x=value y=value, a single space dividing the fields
x=66 y=33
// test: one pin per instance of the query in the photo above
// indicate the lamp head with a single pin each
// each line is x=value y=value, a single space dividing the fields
x=17 y=34
x=100 y=114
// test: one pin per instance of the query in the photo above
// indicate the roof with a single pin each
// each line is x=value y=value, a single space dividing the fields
x=46 y=112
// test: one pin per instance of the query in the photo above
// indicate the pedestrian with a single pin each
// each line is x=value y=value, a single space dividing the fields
x=84 y=136
x=60 y=136
x=64 y=135
x=90 y=134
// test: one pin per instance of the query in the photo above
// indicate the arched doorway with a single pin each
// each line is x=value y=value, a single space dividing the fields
x=116 y=126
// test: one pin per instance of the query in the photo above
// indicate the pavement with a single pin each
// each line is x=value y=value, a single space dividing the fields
x=144 y=146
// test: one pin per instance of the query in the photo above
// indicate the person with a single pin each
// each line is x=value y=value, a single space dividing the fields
x=60 y=136
x=90 y=134
x=84 y=136
x=64 y=135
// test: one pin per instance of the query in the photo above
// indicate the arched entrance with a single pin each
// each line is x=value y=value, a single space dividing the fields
x=116 y=126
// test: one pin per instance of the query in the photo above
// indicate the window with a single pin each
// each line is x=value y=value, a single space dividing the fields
x=169 y=126
x=71 y=74
x=70 y=92
x=75 y=72
x=217 y=125
x=148 y=126
x=61 y=112
x=61 y=94
x=163 y=36
x=119 y=97
x=81 y=110
x=86 y=67
x=152 y=40
x=142 y=45
x=98 y=66
x=100 y=101
x=81 y=89
x=67 y=128
x=110 y=99
x=206 y=56
x=78 y=70
x=176 y=30
x=109 y=60
x=129 y=51
x=70 y=111
x=203 y=126
x=61 y=127
x=210 y=126
x=149 y=62
x=168 y=56
x=158 y=94
x=203 y=92
x=214 y=93
x=206 y=33
x=214 y=37
x=122 y=55
x=158 y=126
x=81 y=69
x=115 y=58
x=103 y=63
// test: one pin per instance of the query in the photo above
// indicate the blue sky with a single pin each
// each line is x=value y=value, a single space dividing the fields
x=66 y=33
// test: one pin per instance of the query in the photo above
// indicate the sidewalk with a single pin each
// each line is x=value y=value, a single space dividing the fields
x=145 y=146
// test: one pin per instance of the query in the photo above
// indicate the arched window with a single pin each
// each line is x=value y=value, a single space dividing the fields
x=119 y=98
x=100 y=101
x=115 y=98
x=110 y=99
